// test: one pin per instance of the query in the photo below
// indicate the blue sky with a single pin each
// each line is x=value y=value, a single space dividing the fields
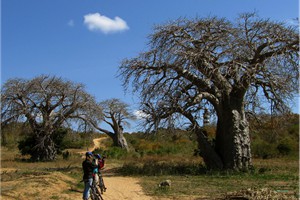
x=85 y=40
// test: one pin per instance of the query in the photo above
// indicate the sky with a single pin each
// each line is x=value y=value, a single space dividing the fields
x=86 y=40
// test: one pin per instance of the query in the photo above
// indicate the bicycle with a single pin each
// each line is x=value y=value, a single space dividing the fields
x=101 y=183
x=95 y=193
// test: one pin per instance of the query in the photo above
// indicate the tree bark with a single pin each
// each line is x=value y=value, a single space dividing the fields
x=118 y=137
x=231 y=149
x=44 y=150
x=211 y=158
x=120 y=141
x=232 y=137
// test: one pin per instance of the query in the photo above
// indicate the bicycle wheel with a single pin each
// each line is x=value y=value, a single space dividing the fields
x=101 y=184
x=94 y=196
x=95 y=193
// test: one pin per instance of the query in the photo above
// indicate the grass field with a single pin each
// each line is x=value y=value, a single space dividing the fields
x=272 y=177
x=279 y=176
x=155 y=159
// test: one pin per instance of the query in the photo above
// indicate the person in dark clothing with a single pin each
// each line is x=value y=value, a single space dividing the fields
x=88 y=166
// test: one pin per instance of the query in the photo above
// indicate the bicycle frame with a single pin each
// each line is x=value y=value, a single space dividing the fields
x=95 y=193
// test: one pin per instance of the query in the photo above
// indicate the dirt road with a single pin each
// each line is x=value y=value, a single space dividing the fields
x=97 y=144
x=120 y=187
x=123 y=188
x=29 y=182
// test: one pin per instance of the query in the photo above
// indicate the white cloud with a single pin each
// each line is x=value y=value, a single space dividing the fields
x=98 y=22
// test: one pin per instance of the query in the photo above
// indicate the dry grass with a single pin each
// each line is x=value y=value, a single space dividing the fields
x=37 y=185
x=276 y=176
x=60 y=180
x=24 y=180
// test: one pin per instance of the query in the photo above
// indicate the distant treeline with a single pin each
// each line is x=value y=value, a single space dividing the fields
x=272 y=136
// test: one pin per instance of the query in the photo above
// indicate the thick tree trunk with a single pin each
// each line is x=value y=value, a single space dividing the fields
x=44 y=150
x=207 y=152
x=118 y=139
x=117 y=136
x=233 y=139
x=231 y=149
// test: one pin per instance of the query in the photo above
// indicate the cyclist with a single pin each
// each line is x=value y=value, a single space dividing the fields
x=88 y=166
x=101 y=162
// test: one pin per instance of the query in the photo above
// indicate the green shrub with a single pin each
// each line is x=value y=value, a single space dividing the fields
x=154 y=167
x=112 y=152
x=28 y=143
x=286 y=146
x=58 y=137
x=284 y=149
x=73 y=143
x=263 y=149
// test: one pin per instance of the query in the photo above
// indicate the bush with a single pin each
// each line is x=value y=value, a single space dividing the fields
x=112 y=152
x=27 y=144
x=58 y=137
x=162 y=143
x=73 y=141
x=263 y=149
x=285 y=146
x=284 y=149
x=275 y=136
x=154 y=167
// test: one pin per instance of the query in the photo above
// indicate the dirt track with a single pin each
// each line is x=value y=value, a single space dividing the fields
x=119 y=187
x=53 y=187
x=123 y=188
x=58 y=185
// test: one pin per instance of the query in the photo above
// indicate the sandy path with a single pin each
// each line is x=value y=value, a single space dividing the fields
x=119 y=187
x=55 y=184
x=123 y=188
x=97 y=143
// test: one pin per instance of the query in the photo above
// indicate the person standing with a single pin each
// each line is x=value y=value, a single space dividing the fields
x=88 y=166
x=101 y=162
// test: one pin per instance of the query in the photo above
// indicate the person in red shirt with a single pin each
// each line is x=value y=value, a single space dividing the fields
x=101 y=162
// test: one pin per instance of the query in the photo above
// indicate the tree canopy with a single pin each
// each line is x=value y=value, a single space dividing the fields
x=226 y=66
x=197 y=59
x=116 y=114
x=46 y=103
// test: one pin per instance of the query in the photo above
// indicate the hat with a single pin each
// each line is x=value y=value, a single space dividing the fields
x=88 y=153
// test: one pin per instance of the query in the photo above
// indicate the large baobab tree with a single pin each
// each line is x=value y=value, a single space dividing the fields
x=228 y=66
x=46 y=103
x=115 y=114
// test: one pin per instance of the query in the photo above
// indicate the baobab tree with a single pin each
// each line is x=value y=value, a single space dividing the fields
x=115 y=114
x=46 y=103
x=228 y=66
